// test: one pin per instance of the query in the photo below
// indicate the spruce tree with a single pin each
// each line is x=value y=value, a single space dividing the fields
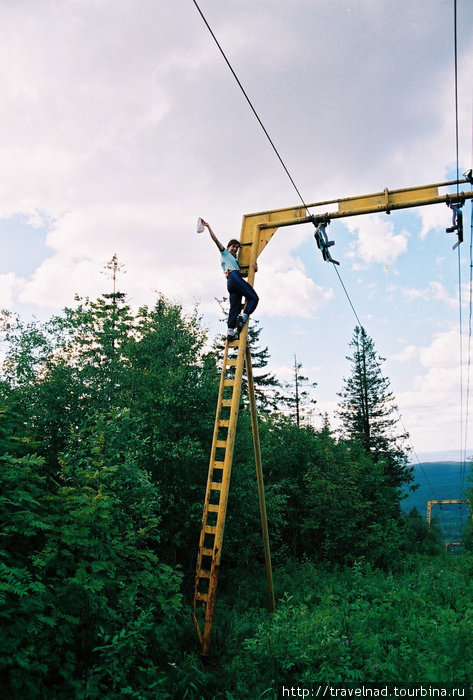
x=298 y=399
x=369 y=413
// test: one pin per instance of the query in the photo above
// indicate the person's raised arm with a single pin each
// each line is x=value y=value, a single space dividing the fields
x=213 y=236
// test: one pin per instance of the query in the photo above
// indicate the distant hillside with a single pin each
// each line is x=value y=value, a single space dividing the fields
x=441 y=481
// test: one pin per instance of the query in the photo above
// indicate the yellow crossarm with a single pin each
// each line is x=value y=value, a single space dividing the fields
x=445 y=501
x=257 y=229
x=256 y=232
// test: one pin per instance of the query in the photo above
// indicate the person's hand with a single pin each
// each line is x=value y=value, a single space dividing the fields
x=204 y=223
x=255 y=267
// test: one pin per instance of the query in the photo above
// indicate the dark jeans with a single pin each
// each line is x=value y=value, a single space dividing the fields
x=239 y=288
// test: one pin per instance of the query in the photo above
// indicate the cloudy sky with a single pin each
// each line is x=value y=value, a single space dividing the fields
x=121 y=124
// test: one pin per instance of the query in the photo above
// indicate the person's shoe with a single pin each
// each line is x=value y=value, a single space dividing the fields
x=241 y=320
x=232 y=334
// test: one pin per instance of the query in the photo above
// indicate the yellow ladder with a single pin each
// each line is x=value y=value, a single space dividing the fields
x=218 y=483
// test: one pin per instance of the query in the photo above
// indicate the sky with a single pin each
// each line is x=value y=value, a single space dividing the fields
x=121 y=124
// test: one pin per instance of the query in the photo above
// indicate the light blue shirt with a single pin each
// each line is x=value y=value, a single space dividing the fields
x=228 y=261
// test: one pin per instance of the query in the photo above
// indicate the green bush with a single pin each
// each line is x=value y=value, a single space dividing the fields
x=87 y=608
x=355 y=624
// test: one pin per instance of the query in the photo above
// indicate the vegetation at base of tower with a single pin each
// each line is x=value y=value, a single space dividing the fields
x=106 y=421
x=368 y=411
x=349 y=625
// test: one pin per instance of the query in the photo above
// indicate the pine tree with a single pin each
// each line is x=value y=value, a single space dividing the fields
x=298 y=399
x=368 y=411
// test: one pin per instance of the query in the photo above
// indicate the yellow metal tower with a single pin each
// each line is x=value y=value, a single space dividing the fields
x=447 y=501
x=236 y=355
x=256 y=232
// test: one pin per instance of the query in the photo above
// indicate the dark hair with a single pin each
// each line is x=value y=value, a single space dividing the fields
x=233 y=242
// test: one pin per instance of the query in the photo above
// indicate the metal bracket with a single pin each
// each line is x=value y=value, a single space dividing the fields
x=321 y=238
x=455 y=204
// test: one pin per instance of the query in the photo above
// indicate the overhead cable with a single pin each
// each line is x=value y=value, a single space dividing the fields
x=251 y=105
x=470 y=305
x=269 y=139
x=421 y=467
x=460 y=320
x=291 y=180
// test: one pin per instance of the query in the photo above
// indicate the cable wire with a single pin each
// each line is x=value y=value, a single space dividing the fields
x=462 y=444
x=270 y=141
x=295 y=188
x=415 y=453
x=251 y=106
x=347 y=295
x=456 y=87
x=470 y=305
x=460 y=324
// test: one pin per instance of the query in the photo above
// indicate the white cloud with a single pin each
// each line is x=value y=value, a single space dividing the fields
x=121 y=124
x=408 y=353
x=436 y=218
x=443 y=352
x=9 y=285
x=435 y=291
x=431 y=407
x=376 y=241
x=290 y=293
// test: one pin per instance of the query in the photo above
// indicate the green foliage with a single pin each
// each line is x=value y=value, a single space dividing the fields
x=352 y=509
x=421 y=537
x=354 y=625
x=287 y=453
x=467 y=540
x=297 y=398
x=86 y=605
x=99 y=356
x=106 y=419
x=368 y=411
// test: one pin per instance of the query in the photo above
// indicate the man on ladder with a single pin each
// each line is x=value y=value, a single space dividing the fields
x=237 y=287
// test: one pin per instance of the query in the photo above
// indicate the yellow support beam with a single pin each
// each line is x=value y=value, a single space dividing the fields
x=445 y=501
x=256 y=232
x=259 y=478
x=236 y=356
x=452 y=544
x=260 y=227
x=218 y=486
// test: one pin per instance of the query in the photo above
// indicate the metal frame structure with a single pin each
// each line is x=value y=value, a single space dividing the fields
x=237 y=354
x=256 y=232
x=452 y=544
x=442 y=502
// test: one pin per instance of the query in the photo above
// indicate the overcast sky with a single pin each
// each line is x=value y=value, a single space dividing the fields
x=121 y=124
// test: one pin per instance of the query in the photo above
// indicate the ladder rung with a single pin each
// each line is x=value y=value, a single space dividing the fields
x=226 y=402
x=211 y=529
x=228 y=382
x=207 y=552
x=220 y=443
x=213 y=507
x=218 y=465
x=216 y=485
x=231 y=362
x=203 y=573
x=223 y=423
x=201 y=596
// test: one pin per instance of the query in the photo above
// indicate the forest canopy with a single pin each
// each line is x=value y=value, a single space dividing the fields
x=106 y=420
